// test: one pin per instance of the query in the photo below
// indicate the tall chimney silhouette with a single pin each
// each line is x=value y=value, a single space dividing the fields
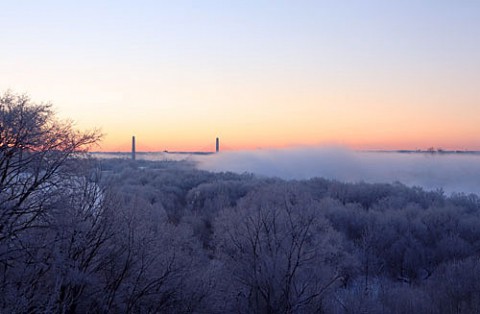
x=133 y=147
x=217 y=145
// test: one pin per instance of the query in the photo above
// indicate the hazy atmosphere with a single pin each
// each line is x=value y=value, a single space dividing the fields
x=449 y=172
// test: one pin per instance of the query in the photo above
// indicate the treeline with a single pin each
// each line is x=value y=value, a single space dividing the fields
x=79 y=235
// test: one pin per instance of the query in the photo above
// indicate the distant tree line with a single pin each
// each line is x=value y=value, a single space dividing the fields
x=79 y=235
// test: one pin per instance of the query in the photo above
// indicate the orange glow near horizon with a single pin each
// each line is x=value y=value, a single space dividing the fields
x=278 y=122
x=126 y=147
x=208 y=144
x=286 y=113
x=369 y=75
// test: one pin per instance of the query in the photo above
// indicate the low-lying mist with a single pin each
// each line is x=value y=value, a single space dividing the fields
x=454 y=173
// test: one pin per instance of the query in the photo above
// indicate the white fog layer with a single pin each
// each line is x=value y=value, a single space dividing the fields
x=450 y=172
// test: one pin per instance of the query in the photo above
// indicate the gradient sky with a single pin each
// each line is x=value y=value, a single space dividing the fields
x=366 y=74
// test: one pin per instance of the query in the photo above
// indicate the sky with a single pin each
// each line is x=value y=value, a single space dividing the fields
x=258 y=74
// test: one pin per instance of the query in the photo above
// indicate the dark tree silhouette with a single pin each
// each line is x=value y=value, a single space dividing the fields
x=35 y=149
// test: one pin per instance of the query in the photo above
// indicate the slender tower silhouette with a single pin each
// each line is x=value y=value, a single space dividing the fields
x=217 y=145
x=133 y=147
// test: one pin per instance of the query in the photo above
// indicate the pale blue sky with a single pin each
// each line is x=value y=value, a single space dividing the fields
x=109 y=63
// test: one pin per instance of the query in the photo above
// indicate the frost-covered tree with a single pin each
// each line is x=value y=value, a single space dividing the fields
x=42 y=179
x=280 y=252
x=35 y=150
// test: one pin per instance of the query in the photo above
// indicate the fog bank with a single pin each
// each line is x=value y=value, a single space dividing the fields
x=450 y=172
